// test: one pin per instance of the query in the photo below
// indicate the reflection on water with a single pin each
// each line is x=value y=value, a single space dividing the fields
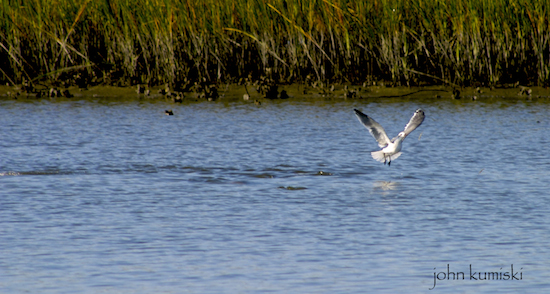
x=385 y=185
x=117 y=197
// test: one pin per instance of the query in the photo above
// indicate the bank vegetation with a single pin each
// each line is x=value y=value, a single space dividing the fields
x=403 y=42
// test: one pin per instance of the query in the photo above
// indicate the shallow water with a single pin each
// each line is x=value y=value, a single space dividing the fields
x=230 y=197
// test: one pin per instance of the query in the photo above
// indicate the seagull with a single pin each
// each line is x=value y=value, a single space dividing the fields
x=391 y=149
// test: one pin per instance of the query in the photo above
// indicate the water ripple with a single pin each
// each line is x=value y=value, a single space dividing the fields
x=223 y=197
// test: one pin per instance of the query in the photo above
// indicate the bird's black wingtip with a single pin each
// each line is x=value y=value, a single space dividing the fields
x=359 y=113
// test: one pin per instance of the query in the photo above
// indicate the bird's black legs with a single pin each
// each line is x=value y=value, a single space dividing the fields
x=386 y=160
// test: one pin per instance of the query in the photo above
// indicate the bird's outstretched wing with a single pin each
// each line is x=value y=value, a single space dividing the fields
x=376 y=130
x=416 y=120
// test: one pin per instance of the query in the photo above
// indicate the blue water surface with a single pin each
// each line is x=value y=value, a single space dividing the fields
x=107 y=196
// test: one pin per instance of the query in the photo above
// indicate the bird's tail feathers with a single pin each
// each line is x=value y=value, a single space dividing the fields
x=381 y=157
x=378 y=156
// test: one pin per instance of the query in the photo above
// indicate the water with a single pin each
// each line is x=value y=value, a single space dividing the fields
x=230 y=197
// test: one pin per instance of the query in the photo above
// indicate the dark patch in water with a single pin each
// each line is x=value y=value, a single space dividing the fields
x=292 y=188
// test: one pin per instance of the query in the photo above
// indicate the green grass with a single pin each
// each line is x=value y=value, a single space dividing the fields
x=407 y=42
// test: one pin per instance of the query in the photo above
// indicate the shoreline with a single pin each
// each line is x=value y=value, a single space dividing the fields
x=296 y=92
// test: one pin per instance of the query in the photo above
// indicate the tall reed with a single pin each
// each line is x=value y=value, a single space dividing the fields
x=466 y=42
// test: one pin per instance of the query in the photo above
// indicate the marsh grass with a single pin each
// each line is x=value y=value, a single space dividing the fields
x=407 y=42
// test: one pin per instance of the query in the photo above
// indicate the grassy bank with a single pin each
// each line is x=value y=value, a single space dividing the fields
x=407 y=42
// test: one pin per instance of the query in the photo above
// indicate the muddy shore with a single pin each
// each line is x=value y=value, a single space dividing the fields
x=254 y=93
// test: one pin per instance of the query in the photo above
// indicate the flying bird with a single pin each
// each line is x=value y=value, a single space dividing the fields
x=391 y=149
